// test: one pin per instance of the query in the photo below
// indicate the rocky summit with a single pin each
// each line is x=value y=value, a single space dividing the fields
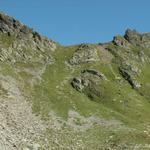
x=82 y=97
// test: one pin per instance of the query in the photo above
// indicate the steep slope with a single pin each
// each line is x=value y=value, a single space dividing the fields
x=87 y=96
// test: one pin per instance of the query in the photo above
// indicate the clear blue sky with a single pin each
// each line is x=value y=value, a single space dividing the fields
x=77 y=21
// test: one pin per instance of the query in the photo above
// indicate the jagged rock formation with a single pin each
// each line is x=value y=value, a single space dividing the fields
x=87 y=96
x=130 y=74
x=22 y=40
x=88 y=82
x=138 y=39
x=84 y=54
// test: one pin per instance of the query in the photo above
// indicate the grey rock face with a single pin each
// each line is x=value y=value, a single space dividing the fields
x=87 y=78
x=95 y=73
x=130 y=73
x=121 y=41
x=21 y=43
x=10 y=25
x=84 y=54
x=132 y=36
x=77 y=83
x=138 y=39
x=13 y=27
x=19 y=127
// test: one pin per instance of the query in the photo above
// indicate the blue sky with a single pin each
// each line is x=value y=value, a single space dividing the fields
x=77 y=21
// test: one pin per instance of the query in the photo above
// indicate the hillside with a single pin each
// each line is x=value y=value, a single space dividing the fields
x=81 y=97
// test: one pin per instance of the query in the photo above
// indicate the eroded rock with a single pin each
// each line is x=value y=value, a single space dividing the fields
x=130 y=73
x=88 y=78
x=20 y=42
x=121 y=41
x=84 y=54
x=137 y=38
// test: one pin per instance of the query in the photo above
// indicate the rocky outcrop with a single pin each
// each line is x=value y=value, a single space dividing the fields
x=78 y=84
x=121 y=41
x=14 y=27
x=17 y=40
x=130 y=73
x=84 y=54
x=88 y=77
x=19 y=127
x=137 y=39
x=94 y=73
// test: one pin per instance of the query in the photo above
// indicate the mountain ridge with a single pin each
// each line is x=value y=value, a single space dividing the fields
x=86 y=96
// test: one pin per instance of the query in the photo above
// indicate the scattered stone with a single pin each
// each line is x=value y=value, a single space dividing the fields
x=18 y=125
